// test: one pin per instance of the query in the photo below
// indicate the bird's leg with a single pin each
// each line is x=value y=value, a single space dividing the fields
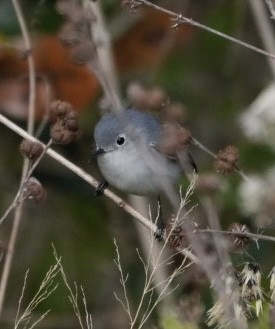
x=101 y=188
x=160 y=223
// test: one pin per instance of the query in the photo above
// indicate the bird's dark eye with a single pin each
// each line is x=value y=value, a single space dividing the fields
x=120 y=140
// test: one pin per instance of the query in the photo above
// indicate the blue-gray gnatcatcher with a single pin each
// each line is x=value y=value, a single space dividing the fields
x=129 y=155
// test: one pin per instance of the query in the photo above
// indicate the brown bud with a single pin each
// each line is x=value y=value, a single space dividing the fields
x=209 y=183
x=33 y=190
x=175 y=235
x=239 y=241
x=227 y=159
x=30 y=149
x=175 y=139
x=175 y=112
x=156 y=98
x=61 y=135
x=72 y=124
x=60 y=109
x=137 y=94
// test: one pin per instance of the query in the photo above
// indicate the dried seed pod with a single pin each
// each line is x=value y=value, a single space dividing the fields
x=31 y=150
x=175 y=235
x=61 y=135
x=209 y=183
x=174 y=112
x=239 y=241
x=175 y=139
x=60 y=109
x=33 y=190
x=137 y=94
x=156 y=98
x=227 y=159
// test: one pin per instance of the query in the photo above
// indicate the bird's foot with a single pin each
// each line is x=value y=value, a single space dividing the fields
x=101 y=188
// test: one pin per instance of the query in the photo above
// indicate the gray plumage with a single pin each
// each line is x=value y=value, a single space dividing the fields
x=130 y=160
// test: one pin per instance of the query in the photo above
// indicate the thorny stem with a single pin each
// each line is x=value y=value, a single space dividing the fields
x=179 y=19
x=30 y=128
x=242 y=234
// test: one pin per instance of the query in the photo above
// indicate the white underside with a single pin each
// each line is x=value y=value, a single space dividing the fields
x=141 y=173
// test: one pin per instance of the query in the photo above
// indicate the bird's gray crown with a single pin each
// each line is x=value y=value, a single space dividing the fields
x=132 y=123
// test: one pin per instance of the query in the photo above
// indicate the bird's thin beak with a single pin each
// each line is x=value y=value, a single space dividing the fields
x=97 y=152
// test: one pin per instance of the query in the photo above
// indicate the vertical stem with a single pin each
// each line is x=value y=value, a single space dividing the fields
x=30 y=129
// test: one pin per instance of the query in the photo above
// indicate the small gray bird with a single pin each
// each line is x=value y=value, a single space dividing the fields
x=139 y=155
x=131 y=153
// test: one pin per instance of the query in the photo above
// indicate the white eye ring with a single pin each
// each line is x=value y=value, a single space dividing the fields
x=120 y=140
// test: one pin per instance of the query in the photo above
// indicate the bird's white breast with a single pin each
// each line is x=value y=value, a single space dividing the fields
x=136 y=172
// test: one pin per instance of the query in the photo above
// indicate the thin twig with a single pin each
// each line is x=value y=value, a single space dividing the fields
x=270 y=6
x=213 y=155
x=30 y=128
x=241 y=234
x=179 y=19
x=265 y=28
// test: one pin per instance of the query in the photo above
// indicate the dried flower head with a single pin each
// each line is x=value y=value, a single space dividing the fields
x=238 y=238
x=176 y=235
x=219 y=317
x=141 y=97
x=31 y=150
x=250 y=280
x=76 y=32
x=209 y=183
x=65 y=128
x=227 y=159
x=60 y=109
x=33 y=190
x=174 y=112
x=156 y=97
x=61 y=135
x=175 y=139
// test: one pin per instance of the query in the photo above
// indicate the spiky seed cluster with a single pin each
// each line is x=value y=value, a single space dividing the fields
x=65 y=128
x=76 y=32
x=227 y=159
x=176 y=237
x=31 y=150
x=226 y=305
x=33 y=190
x=250 y=280
x=238 y=238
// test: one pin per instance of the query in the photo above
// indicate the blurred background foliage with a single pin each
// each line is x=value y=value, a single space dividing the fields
x=215 y=80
